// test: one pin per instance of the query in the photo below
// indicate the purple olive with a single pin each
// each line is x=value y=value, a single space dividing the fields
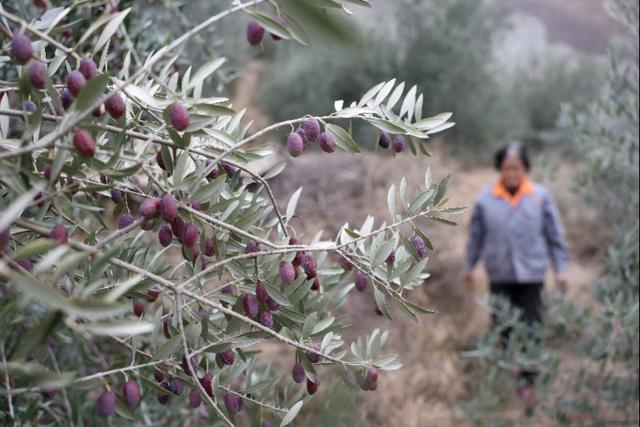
x=207 y=383
x=251 y=247
x=398 y=143
x=37 y=74
x=106 y=404
x=345 y=263
x=419 y=245
x=75 y=82
x=149 y=208
x=227 y=357
x=298 y=373
x=312 y=386
x=116 y=195
x=261 y=291
x=125 y=220
x=233 y=402
x=209 y=247
x=175 y=386
x=255 y=33
x=190 y=235
x=59 y=233
x=273 y=304
x=131 y=393
x=295 y=144
x=250 y=305
x=314 y=356
x=84 y=143
x=266 y=319
x=88 y=68
x=168 y=207
x=385 y=140
x=21 y=48
x=309 y=265
x=311 y=128
x=327 y=143
x=287 y=272
x=195 y=400
x=178 y=116
x=361 y=280
x=115 y=106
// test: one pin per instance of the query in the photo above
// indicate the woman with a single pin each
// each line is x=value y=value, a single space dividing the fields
x=516 y=229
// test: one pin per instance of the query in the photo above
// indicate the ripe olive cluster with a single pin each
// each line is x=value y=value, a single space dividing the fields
x=397 y=142
x=309 y=131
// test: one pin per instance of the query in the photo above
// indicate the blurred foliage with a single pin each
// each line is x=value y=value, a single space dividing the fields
x=590 y=353
x=606 y=134
x=447 y=48
x=540 y=89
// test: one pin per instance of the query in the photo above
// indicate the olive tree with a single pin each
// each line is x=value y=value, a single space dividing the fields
x=144 y=261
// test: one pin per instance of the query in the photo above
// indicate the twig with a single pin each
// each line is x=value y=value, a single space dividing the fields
x=65 y=396
x=257 y=402
x=100 y=374
x=7 y=383
x=187 y=358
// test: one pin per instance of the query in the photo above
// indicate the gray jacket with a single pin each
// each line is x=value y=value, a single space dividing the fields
x=517 y=242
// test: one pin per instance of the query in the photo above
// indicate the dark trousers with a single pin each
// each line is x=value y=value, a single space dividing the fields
x=528 y=298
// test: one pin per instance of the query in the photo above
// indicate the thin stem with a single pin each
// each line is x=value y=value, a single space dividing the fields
x=7 y=383
x=227 y=226
x=116 y=371
x=187 y=358
x=257 y=402
x=206 y=294
x=65 y=395
x=118 y=233
x=97 y=375
x=294 y=248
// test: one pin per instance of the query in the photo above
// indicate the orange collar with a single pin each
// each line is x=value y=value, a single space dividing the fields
x=526 y=188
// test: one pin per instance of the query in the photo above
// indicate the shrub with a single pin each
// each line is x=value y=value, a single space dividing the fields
x=113 y=315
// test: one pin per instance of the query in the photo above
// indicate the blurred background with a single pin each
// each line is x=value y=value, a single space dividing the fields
x=559 y=75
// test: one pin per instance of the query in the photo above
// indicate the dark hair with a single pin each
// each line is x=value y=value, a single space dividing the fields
x=512 y=149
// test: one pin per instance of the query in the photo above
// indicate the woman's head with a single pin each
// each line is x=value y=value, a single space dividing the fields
x=512 y=161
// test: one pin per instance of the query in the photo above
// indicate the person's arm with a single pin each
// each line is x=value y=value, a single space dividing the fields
x=556 y=240
x=474 y=244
